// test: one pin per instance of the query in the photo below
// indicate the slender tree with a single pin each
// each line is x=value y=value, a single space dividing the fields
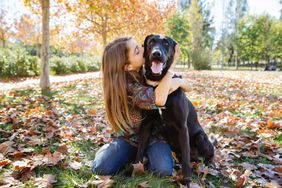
x=179 y=30
x=200 y=48
x=280 y=9
x=5 y=27
x=236 y=10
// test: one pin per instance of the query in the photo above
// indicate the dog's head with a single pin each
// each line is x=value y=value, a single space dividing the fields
x=158 y=53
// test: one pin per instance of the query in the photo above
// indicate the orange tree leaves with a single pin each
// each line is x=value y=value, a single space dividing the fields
x=109 y=19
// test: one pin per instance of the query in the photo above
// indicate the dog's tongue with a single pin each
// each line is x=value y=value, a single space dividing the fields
x=157 y=67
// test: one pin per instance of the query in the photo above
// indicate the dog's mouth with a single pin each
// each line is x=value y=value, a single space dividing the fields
x=157 y=67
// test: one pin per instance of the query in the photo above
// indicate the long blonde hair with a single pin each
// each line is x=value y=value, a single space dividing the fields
x=115 y=58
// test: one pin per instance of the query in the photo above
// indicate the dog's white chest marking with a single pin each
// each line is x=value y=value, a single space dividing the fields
x=160 y=111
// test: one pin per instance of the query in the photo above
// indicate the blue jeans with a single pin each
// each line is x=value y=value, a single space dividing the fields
x=113 y=156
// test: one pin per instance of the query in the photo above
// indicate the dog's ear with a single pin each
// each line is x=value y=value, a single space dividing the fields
x=173 y=43
x=145 y=43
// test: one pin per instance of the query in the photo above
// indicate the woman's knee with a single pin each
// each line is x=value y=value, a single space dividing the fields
x=111 y=157
x=160 y=159
x=101 y=168
x=161 y=169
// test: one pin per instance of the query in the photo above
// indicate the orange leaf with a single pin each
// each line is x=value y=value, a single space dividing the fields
x=278 y=169
x=20 y=165
x=18 y=154
x=270 y=124
x=243 y=178
x=5 y=162
x=91 y=112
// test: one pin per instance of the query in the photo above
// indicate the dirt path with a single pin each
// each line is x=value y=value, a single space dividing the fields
x=34 y=82
x=274 y=78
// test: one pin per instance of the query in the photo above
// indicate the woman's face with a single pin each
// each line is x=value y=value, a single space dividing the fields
x=135 y=55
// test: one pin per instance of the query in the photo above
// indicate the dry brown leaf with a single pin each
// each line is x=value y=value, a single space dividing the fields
x=75 y=165
x=9 y=181
x=278 y=169
x=101 y=182
x=63 y=149
x=243 y=179
x=20 y=165
x=46 y=181
x=6 y=147
x=5 y=162
x=144 y=184
x=206 y=171
x=138 y=169
x=53 y=159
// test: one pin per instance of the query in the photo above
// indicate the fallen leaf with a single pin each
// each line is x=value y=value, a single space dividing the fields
x=91 y=112
x=75 y=165
x=6 y=147
x=46 y=181
x=138 y=169
x=243 y=179
x=144 y=184
x=101 y=182
x=53 y=159
x=278 y=169
x=5 y=162
x=20 y=165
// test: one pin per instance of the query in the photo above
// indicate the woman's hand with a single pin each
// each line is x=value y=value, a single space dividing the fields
x=178 y=82
x=175 y=57
x=175 y=84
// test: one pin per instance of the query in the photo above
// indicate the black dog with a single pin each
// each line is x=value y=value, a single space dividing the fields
x=180 y=126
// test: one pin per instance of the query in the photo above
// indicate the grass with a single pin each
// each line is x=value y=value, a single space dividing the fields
x=278 y=140
x=253 y=161
x=76 y=99
x=153 y=181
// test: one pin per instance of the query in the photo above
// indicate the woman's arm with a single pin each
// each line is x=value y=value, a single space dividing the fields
x=162 y=90
x=178 y=82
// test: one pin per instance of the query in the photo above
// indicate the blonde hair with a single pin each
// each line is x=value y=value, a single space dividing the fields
x=115 y=58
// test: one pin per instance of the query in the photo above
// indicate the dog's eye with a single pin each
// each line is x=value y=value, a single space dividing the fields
x=151 y=43
x=165 y=43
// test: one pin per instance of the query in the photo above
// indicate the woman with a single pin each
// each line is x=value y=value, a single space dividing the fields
x=125 y=96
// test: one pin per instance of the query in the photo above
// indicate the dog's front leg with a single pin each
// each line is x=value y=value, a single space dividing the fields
x=144 y=137
x=185 y=152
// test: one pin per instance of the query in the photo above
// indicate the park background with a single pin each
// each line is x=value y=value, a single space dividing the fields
x=52 y=118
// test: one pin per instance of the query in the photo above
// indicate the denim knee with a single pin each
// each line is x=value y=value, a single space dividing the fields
x=111 y=157
x=160 y=159
x=161 y=170
x=98 y=167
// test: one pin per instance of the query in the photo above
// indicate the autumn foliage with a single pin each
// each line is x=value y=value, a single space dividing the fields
x=44 y=131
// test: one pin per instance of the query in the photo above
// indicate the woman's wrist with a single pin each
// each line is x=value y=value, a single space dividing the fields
x=185 y=85
x=170 y=72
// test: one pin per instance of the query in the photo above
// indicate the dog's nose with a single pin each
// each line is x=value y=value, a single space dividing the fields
x=157 y=53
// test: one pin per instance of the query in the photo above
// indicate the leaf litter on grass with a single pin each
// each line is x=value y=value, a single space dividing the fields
x=42 y=130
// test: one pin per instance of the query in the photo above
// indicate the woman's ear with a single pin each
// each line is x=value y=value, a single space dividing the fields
x=128 y=67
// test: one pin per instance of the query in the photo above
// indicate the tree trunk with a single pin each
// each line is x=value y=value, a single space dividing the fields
x=44 y=75
x=236 y=57
x=104 y=30
x=3 y=40
x=3 y=43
